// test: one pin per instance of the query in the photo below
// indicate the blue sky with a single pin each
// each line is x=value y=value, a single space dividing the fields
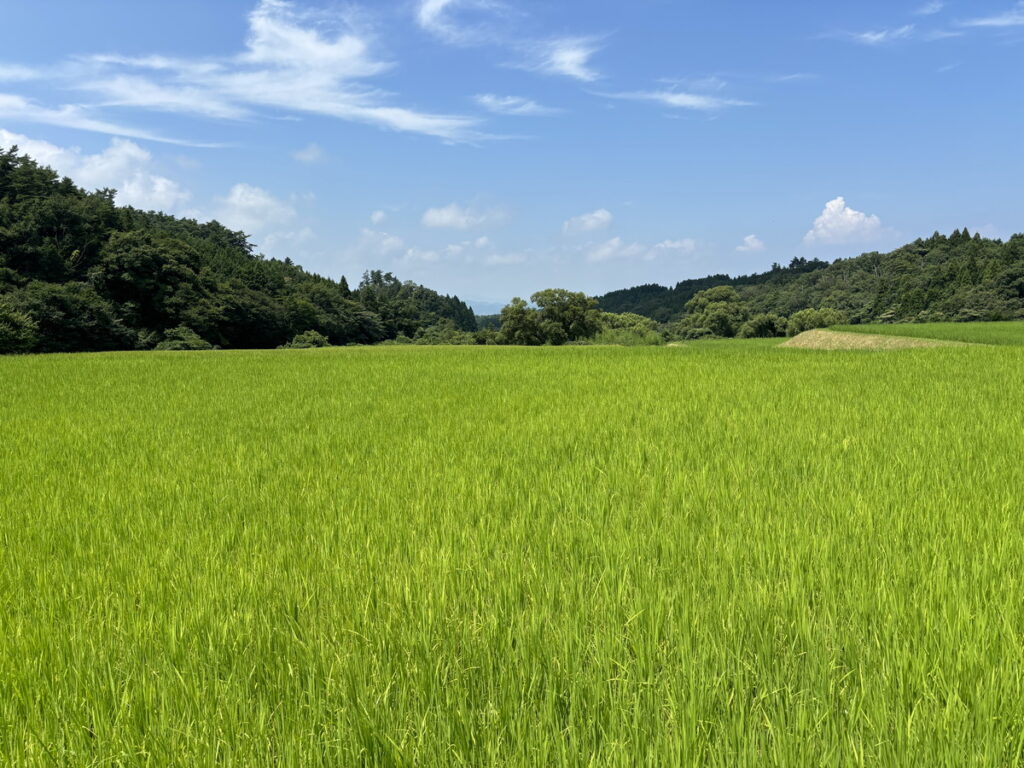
x=492 y=148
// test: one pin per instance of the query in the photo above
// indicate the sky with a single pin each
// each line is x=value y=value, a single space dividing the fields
x=492 y=148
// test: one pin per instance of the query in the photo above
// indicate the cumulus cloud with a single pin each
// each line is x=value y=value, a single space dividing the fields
x=285 y=243
x=311 y=154
x=839 y=224
x=686 y=245
x=589 y=222
x=377 y=218
x=467 y=251
x=253 y=210
x=376 y=243
x=751 y=244
x=513 y=105
x=124 y=166
x=455 y=216
x=616 y=248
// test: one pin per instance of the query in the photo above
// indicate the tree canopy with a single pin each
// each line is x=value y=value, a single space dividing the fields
x=79 y=273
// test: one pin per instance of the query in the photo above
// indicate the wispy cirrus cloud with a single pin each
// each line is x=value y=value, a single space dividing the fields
x=488 y=22
x=565 y=56
x=931 y=8
x=880 y=36
x=19 y=109
x=513 y=105
x=681 y=100
x=294 y=61
x=1011 y=18
x=461 y=22
x=14 y=73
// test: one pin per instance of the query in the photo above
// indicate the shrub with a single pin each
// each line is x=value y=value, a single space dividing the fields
x=183 y=339
x=625 y=337
x=307 y=340
x=809 y=319
x=763 y=327
x=18 y=331
x=695 y=334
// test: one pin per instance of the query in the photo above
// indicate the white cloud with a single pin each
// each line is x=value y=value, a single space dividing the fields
x=14 y=73
x=253 y=210
x=566 y=56
x=931 y=8
x=503 y=259
x=284 y=243
x=513 y=105
x=839 y=223
x=687 y=245
x=1012 y=18
x=310 y=154
x=882 y=36
x=377 y=218
x=455 y=216
x=420 y=254
x=438 y=18
x=294 y=61
x=616 y=249
x=124 y=166
x=118 y=90
x=589 y=222
x=751 y=244
x=19 y=109
x=681 y=100
x=376 y=243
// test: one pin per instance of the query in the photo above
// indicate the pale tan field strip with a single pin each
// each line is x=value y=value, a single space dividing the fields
x=823 y=339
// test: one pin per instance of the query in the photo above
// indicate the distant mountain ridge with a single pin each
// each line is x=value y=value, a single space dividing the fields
x=956 y=277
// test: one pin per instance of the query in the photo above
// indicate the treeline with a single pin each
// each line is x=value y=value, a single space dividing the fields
x=961 y=277
x=79 y=273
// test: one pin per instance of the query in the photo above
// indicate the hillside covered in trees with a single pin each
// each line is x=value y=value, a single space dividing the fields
x=79 y=273
x=958 y=278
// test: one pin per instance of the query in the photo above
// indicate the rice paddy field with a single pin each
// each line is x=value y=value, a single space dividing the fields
x=720 y=554
x=1001 y=333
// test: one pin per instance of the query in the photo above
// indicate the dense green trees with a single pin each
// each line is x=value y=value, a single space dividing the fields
x=960 y=277
x=78 y=273
x=559 y=317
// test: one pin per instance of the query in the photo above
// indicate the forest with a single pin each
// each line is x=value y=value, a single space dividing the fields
x=961 y=277
x=79 y=273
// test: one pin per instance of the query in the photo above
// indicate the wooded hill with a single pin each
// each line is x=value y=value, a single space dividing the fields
x=960 y=277
x=79 y=273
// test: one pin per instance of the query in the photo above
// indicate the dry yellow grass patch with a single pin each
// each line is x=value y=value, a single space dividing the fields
x=823 y=339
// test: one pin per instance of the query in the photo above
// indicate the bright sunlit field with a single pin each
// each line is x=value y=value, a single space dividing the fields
x=709 y=555
x=1001 y=333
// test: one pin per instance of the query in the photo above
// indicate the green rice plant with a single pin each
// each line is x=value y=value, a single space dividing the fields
x=720 y=554
x=1009 y=333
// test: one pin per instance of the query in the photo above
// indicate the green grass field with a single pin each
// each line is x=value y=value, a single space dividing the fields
x=711 y=555
x=1003 y=334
